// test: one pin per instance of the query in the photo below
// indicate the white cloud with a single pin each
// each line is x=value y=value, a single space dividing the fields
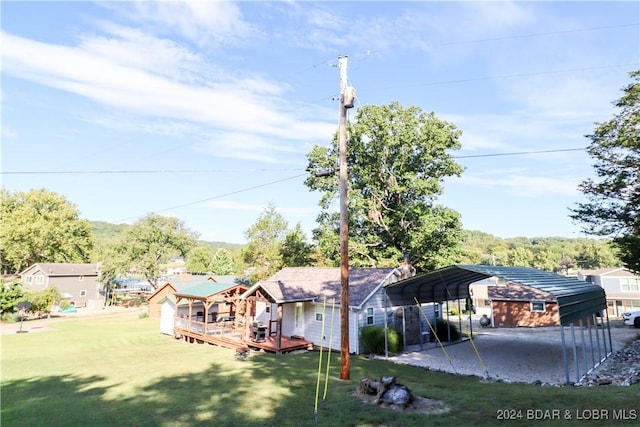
x=101 y=70
x=204 y=23
x=8 y=133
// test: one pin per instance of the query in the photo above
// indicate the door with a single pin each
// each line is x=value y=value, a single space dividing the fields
x=298 y=324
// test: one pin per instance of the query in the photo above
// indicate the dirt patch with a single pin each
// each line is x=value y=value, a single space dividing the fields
x=419 y=404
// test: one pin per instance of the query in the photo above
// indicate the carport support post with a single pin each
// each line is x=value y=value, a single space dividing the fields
x=575 y=353
x=386 y=327
x=584 y=347
x=564 y=353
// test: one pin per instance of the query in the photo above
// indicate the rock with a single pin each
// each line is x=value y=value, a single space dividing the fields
x=622 y=368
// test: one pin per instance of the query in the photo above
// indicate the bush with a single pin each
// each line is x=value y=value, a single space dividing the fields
x=446 y=331
x=372 y=339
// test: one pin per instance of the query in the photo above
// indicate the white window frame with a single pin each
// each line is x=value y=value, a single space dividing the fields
x=537 y=310
x=28 y=279
x=39 y=280
x=319 y=313
x=83 y=293
x=369 y=316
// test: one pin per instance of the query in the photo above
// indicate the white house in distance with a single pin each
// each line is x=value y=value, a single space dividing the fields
x=620 y=285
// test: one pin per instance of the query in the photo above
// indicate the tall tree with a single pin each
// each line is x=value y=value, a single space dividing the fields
x=146 y=246
x=199 y=260
x=222 y=262
x=613 y=207
x=398 y=158
x=296 y=251
x=41 y=226
x=265 y=239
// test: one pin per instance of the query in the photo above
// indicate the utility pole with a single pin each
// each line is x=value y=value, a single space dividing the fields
x=346 y=101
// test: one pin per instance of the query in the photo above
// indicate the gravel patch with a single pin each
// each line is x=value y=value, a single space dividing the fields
x=517 y=355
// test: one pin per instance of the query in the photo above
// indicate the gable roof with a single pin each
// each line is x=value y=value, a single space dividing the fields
x=515 y=292
x=576 y=299
x=63 y=269
x=609 y=271
x=205 y=290
x=297 y=284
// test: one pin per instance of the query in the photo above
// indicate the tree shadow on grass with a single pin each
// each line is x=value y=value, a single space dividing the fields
x=266 y=390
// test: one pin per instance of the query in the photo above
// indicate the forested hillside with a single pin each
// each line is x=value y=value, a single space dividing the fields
x=559 y=254
x=105 y=231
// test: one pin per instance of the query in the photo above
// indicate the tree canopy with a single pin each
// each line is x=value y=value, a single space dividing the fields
x=264 y=241
x=613 y=206
x=41 y=226
x=398 y=158
x=145 y=247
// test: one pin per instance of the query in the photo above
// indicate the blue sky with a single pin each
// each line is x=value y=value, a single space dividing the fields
x=223 y=100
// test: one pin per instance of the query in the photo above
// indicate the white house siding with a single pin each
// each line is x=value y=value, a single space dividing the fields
x=167 y=313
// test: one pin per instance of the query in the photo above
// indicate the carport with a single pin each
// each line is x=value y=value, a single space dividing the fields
x=580 y=304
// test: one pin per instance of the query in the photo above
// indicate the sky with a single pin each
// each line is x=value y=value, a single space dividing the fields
x=206 y=110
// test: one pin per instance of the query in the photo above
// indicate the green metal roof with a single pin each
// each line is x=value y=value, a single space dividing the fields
x=576 y=299
x=205 y=289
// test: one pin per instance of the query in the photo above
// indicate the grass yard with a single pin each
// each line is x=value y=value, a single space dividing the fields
x=120 y=371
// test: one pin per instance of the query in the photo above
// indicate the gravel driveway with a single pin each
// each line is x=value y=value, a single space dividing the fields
x=513 y=354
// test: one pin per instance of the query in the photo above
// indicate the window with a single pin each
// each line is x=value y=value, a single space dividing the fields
x=538 y=306
x=369 y=316
x=319 y=313
x=83 y=293
x=28 y=279
x=39 y=280
x=629 y=285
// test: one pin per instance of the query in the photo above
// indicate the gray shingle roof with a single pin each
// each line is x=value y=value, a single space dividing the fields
x=293 y=284
x=67 y=269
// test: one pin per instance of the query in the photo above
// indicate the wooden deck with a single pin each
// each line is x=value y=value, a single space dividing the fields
x=229 y=337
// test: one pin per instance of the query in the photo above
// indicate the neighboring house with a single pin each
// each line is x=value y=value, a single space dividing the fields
x=509 y=304
x=301 y=302
x=176 y=266
x=76 y=282
x=620 y=285
x=515 y=305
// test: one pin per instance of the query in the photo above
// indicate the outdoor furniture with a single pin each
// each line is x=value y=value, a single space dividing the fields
x=259 y=332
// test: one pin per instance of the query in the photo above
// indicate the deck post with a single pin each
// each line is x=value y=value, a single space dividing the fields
x=279 y=332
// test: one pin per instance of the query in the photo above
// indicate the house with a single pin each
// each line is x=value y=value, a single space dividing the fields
x=510 y=304
x=621 y=286
x=176 y=266
x=514 y=305
x=304 y=303
x=76 y=282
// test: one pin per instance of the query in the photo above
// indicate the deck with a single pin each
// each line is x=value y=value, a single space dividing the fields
x=225 y=335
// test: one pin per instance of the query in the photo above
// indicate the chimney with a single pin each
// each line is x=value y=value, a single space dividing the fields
x=406 y=269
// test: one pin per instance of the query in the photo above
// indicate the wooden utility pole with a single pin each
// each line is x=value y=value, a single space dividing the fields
x=345 y=362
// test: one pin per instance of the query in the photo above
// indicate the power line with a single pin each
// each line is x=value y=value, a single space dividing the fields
x=170 y=171
x=519 y=153
x=77 y=172
x=223 y=195
x=507 y=76
x=522 y=36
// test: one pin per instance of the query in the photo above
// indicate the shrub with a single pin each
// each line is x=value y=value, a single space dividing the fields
x=372 y=339
x=446 y=330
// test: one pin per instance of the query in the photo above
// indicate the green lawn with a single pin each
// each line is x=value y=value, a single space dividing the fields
x=120 y=371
